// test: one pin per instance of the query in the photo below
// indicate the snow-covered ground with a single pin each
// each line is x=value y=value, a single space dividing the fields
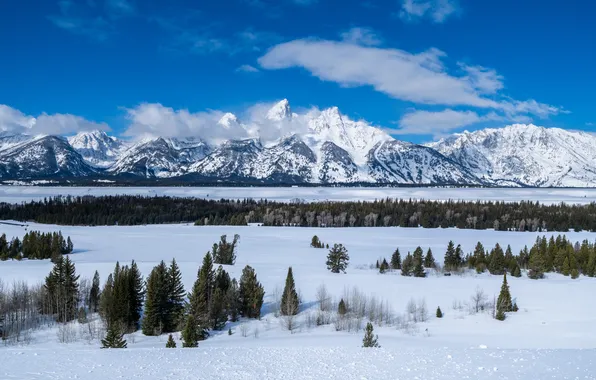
x=552 y=336
x=17 y=194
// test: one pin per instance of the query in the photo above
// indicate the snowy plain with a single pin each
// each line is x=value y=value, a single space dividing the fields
x=18 y=194
x=552 y=336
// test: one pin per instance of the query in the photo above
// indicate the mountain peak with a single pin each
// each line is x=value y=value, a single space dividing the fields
x=280 y=111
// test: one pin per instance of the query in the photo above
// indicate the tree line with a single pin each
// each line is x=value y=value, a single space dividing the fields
x=137 y=210
x=35 y=246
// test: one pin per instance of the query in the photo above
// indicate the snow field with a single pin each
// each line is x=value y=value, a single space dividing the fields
x=18 y=194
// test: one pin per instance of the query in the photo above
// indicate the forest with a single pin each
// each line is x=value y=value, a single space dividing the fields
x=139 y=210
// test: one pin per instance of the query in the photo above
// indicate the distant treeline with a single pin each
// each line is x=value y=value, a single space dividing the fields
x=136 y=210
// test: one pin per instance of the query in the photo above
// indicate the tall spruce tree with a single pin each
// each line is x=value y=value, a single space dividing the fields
x=418 y=270
x=449 y=263
x=156 y=315
x=370 y=340
x=289 y=298
x=396 y=260
x=407 y=267
x=233 y=300
x=201 y=295
x=136 y=290
x=251 y=294
x=176 y=297
x=94 y=294
x=497 y=263
x=504 y=301
x=429 y=259
x=170 y=343
x=337 y=259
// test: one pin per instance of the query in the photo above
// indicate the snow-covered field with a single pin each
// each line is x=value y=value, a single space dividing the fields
x=552 y=336
x=17 y=194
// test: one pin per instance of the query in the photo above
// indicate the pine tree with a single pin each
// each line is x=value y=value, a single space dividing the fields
x=156 y=314
x=337 y=259
x=106 y=301
x=504 y=300
x=251 y=294
x=136 y=296
x=289 y=299
x=565 y=270
x=516 y=271
x=500 y=315
x=233 y=300
x=429 y=260
x=201 y=295
x=315 y=242
x=449 y=263
x=114 y=338
x=418 y=269
x=396 y=260
x=574 y=273
x=439 y=313
x=94 y=294
x=190 y=333
x=370 y=340
x=479 y=256
x=458 y=258
x=536 y=264
x=171 y=343
x=407 y=267
x=384 y=267
x=497 y=263
x=341 y=308
x=176 y=297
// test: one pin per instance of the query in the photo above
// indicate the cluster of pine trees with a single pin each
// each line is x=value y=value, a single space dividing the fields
x=216 y=299
x=317 y=243
x=35 y=246
x=61 y=289
x=224 y=252
x=136 y=210
x=412 y=265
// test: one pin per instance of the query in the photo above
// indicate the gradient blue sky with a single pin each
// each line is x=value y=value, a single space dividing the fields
x=422 y=68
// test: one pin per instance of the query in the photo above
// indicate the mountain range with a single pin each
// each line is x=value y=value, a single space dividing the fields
x=319 y=147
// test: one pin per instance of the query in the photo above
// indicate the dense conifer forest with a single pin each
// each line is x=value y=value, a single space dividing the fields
x=138 y=210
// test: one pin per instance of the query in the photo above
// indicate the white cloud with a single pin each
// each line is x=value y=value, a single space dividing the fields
x=419 y=78
x=437 y=10
x=14 y=121
x=247 y=69
x=589 y=124
x=434 y=123
x=361 y=36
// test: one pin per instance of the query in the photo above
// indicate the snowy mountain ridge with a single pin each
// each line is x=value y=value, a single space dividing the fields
x=318 y=146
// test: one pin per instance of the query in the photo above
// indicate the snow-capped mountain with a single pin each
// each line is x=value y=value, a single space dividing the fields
x=525 y=155
x=97 y=148
x=318 y=146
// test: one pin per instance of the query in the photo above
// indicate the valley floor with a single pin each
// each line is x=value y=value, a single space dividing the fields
x=18 y=194
x=553 y=336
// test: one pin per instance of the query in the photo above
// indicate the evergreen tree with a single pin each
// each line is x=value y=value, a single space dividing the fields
x=458 y=258
x=94 y=294
x=536 y=264
x=190 y=333
x=439 y=313
x=504 y=300
x=479 y=255
x=176 y=297
x=315 y=242
x=289 y=299
x=114 y=338
x=516 y=271
x=449 y=263
x=574 y=273
x=418 y=269
x=337 y=259
x=251 y=294
x=500 y=315
x=370 y=340
x=201 y=295
x=156 y=315
x=497 y=263
x=136 y=296
x=171 y=343
x=341 y=308
x=225 y=252
x=429 y=260
x=566 y=269
x=106 y=301
x=233 y=300
x=407 y=267
x=396 y=260
x=384 y=267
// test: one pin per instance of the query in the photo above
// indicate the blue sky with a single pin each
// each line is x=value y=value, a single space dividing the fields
x=421 y=68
